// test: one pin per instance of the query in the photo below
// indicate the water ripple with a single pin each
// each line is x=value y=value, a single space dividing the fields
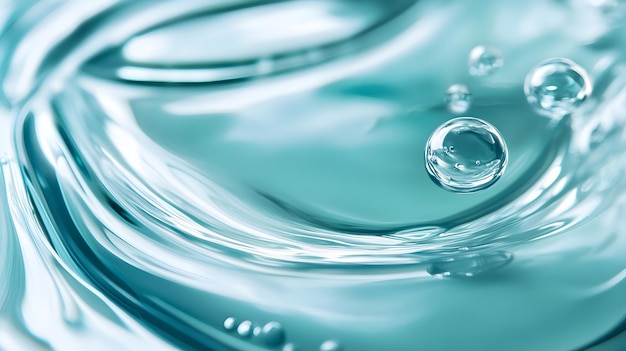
x=142 y=216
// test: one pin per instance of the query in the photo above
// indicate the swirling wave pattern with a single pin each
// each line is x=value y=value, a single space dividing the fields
x=160 y=179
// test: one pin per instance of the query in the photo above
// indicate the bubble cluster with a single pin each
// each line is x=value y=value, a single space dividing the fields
x=484 y=60
x=557 y=87
x=271 y=334
x=458 y=98
x=465 y=155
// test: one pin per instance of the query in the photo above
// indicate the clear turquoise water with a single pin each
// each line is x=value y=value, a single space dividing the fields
x=170 y=165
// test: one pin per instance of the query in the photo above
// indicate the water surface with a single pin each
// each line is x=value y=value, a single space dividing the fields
x=246 y=175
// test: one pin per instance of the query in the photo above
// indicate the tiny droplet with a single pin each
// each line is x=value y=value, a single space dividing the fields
x=458 y=98
x=230 y=323
x=244 y=329
x=484 y=60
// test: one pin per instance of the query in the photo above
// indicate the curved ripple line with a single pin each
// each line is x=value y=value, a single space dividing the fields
x=161 y=200
x=71 y=312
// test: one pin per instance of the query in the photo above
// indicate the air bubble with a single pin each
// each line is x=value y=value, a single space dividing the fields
x=273 y=334
x=244 y=329
x=230 y=323
x=484 y=60
x=479 y=159
x=458 y=98
x=557 y=87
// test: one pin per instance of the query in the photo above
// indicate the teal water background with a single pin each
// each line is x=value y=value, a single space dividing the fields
x=169 y=165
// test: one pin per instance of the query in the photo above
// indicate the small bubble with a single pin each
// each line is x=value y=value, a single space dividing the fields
x=557 y=87
x=330 y=345
x=479 y=160
x=273 y=334
x=458 y=98
x=230 y=323
x=244 y=329
x=484 y=60
x=257 y=331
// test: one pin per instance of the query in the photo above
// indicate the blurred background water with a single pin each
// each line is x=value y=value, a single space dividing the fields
x=253 y=175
